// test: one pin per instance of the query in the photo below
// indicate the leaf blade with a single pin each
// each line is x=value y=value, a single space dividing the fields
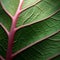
x=39 y=12
x=3 y=42
x=36 y=32
x=43 y=50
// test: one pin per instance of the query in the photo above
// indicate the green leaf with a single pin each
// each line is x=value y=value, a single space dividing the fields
x=11 y=5
x=44 y=17
x=33 y=11
x=56 y=37
x=3 y=42
x=5 y=19
x=29 y=3
x=40 y=11
x=36 y=32
x=41 y=51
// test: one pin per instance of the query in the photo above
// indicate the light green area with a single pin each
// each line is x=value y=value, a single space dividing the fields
x=39 y=12
x=29 y=3
x=36 y=32
x=11 y=5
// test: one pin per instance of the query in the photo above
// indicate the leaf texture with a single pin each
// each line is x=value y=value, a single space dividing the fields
x=3 y=42
x=40 y=11
x=36 y=32
x=12 y=5
x=56 y=58
x=5 y=19
x=39 y=20
x=41 y=51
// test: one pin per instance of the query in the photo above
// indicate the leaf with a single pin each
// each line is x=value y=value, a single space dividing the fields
x=33 y=11
x=32 y=34
x=41 y=51
x=29 y=3
x=5 y=19
x=32 y=15
x=40 y=11
x=3 y=42
x=56 y=37
x=56 y=58
x=11 y=5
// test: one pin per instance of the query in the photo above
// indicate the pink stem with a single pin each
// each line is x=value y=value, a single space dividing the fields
x=1 y=58
x=10 y=41
x=12 y=32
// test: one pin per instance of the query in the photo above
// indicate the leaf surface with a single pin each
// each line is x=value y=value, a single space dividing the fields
x=41 y=51
x=32 y=11
x=40 y=11
x=34 y=33
x=3 y=42
x=5 y=19
x=12 y=5
x=56 y=58
x=43 y=20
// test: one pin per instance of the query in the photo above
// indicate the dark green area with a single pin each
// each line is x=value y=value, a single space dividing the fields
x=56 y=58
x=3 y=42
x=41 y=51
x=5 y=19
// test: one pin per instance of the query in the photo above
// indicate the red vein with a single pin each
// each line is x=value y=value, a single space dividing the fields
x=2 y=58
x=12 y=31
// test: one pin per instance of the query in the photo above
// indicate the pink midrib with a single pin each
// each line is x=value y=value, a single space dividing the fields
x=12 y=32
